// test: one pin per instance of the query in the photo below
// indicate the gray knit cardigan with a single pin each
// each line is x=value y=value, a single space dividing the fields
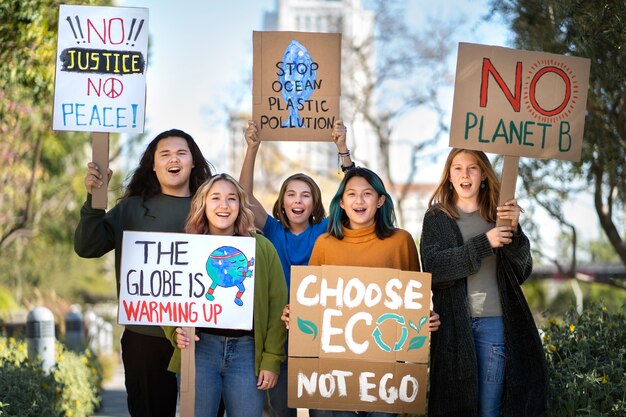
x=453 y=373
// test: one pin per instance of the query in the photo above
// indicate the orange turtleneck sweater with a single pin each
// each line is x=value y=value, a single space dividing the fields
x=363 y=248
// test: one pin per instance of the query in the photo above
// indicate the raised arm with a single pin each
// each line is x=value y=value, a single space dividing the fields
x=246 y=177
x=339 y=137
x=96 y=231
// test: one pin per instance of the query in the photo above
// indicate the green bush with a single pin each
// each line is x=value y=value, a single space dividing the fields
x=587 y=364
x=71 y=389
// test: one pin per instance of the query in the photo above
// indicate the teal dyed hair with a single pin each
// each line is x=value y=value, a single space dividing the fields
x=385 y=218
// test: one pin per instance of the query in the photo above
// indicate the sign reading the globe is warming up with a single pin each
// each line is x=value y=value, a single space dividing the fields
x=296 y=85
x=191 y=280
x=100 y=83
x=359 y=339
x=519 y=103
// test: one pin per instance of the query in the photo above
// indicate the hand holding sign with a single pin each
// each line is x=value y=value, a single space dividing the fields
x=94 y=179
x=518 y=103
x=100 y=87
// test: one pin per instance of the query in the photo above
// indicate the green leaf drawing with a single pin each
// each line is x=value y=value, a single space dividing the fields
x=416 y=343
x=307 y=327
x=418 y=327
x=423 y=321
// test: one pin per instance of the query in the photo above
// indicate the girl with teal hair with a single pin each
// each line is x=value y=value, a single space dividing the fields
x=362 y=232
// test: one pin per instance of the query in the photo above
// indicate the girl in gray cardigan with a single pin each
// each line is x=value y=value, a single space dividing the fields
x=487 y=358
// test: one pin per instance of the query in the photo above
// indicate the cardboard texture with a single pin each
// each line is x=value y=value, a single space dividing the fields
x=179 y=279
x=188 y=377
x=519 y=103
x=354 y=385
x=296 y=85
x=358 y=319
x=100 y=81
x=510 y=168
x=100 y=155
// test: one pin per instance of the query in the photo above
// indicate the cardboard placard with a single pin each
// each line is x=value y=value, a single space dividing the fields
x=296 y=85
x=519 y=103
x=100 y=155
x=356 y=320
x=101 y=63
x=355 y=385
x=180 y=279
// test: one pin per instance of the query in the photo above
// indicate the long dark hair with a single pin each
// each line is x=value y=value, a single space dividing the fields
x=144 y=182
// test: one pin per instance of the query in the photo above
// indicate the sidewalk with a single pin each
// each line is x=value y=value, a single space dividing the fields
x=114 y=397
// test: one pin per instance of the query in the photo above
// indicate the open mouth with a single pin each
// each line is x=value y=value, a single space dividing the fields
x=173 y=170
x=297 y=211
x=224 y=215
x=360 y=210
x=465 y=185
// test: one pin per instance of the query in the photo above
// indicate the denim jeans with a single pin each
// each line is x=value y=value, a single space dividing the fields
x=490 y=355
x=225 y=368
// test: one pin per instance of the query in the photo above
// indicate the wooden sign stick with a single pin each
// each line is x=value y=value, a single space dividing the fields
x=510 y=169
x=100 y=155
x=188 y=375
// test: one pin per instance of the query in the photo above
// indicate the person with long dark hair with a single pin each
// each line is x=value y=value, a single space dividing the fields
x=157 y=199
x=362 y=232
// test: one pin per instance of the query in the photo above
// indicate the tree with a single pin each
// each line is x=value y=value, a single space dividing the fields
x=594 y=30
x=396 y=70
x=42 y=170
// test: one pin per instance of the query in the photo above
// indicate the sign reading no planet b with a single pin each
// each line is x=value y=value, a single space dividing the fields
x=359 y=339
x=101 y=63
x=189 y=280
x=519 y=103
x=296 y=85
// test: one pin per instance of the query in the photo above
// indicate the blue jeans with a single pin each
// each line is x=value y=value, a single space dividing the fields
x=490 y=355
x=225 y=368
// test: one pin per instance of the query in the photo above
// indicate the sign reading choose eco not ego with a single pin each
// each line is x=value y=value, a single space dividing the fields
x=359 y=339
x=100 y=83
x=519 y=103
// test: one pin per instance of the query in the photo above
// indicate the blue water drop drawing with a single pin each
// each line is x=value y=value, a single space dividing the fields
x=299 y=71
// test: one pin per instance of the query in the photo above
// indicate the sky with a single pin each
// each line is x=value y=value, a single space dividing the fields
x=201 y=61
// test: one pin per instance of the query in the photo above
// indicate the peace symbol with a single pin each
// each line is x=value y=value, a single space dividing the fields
x=113 y=87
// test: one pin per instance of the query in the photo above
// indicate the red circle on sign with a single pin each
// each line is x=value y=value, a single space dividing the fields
x=113 y=87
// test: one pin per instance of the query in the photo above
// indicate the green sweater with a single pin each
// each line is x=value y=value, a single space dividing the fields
x=98 y=232
x=270 y=296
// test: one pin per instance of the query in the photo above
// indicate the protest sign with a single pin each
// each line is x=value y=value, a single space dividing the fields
x=190 y=280
x=296 y=85
x=101 y=62
x=519 y=103
x=359 y=339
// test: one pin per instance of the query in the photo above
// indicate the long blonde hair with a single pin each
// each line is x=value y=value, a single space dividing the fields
x=444 y=198
x=197 y=222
